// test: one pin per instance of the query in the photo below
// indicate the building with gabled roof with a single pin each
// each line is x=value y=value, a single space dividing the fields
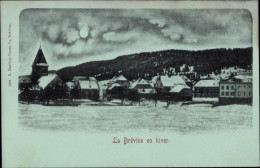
x=117 y=86
x=121 y=80
x=172 y=87
x=143 y=88
x=206 y=90
x=169 y=81
x=86 y=87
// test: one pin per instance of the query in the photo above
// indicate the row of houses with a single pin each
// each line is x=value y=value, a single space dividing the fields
x=234 y=90
x=42 y=84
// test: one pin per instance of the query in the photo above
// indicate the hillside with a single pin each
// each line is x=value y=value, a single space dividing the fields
x=150 y=63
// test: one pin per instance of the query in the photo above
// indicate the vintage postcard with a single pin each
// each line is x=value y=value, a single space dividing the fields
x=130 y=83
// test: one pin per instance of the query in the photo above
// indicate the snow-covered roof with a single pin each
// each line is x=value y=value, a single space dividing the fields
x=178 y=88
x=42 y=64
x=139 y=82
x=133 y=85
x=119 y=78
x=238 y=79
x=185 y=78
x=88 y=84
x=169 y=81
x=43 y=81
x=244 y=78
x=207 y=83
x=114 y=85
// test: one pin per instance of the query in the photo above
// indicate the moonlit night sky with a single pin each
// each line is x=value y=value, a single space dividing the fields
x=73 y=36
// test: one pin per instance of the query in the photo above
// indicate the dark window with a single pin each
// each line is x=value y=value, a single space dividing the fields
x=227 y=93
x=244 y=93
x=244 y=86
x=204 y=89
x=222 y=93
x=232 y=93
x=249 y=93
x=227 y=87
x=222 y=87
x=249 y=86
x=232 y=87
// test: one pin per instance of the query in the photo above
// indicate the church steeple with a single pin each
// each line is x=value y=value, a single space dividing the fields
x=40 y=65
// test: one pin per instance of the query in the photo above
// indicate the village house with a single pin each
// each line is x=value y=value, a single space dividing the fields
x=172 y=88
x=237 y=89
x=117 y=86
x=206 y=90
x=181 y=93
x=143 y=88
x=86 y=87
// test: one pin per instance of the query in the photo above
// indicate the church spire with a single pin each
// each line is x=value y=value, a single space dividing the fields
x=40 y=65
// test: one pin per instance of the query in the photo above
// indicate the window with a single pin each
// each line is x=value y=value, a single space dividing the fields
x=249 y=86
x=227 y=87
x=244 y=86
x=244 y=93
x=227 y=93
x=222 y=87
x=204 y=94
x=204 y=89
x=232 y=93
x=209 y=94
x=249 y=93
x=198 y=94
x=232 y=87
x=222 y=94
x=239 y=93
x=239 y=86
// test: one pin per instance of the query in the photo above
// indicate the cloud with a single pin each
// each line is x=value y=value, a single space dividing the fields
x=121 y=36
x=70 y=35
x=159 y=22
x=78 y=48
x=189 y=40
x=173 y=32
x=53 y=32
x=74 y=34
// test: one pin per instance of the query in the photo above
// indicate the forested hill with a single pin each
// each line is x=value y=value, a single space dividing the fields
x=204 y=62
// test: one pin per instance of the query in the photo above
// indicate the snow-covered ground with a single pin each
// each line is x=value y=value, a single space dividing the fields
x=175 y=118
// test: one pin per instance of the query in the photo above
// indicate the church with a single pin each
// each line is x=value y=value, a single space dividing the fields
x=39 y=68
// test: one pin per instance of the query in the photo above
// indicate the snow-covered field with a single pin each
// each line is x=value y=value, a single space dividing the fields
x=176 y=118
